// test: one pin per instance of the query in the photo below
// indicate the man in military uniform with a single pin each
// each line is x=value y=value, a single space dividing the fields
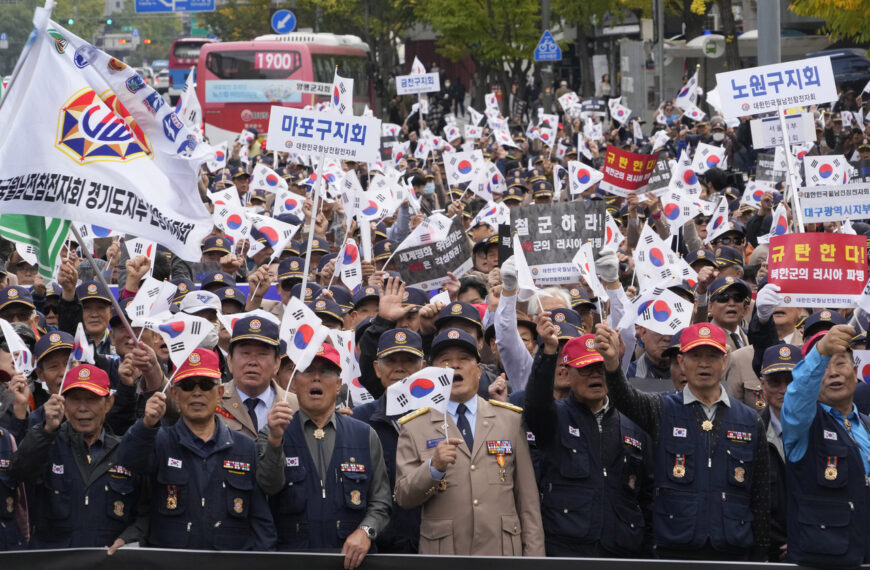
x=324 y=471
x=596 y=481
x=253 y=360
x=477 y=486
x=81 y=494
x=201 y=473
x=710 y=453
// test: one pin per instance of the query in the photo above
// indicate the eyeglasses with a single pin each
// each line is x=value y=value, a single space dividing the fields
x=47 y=309
x=726 y=297
x=189 y=384
x=702 y=221
x=729 y=241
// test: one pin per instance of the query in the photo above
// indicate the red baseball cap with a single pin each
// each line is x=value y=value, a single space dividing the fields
x=328 y=352
x=703 y=334
x=580 y=351
x=201 y=363
x=87 y=377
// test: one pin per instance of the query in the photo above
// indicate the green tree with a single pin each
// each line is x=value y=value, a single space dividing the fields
x=844 y=19
x=240 y=21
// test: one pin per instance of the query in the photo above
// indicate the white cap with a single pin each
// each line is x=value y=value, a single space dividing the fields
x=197 y=301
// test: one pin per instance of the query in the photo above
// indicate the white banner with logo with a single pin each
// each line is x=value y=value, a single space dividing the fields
x=345 y=137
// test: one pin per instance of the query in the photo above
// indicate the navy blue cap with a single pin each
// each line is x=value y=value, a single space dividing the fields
x=383 y=249
x=542 y=188
x=381 y=230
x=291 y=268
x=289 y=218
x=93 y=290
x=15 y=294
x=364 y=294
x=342 y=296
x=400 y=340
x=183 y=287
x=255 y=328
x=485 y=243
x=458 y=310
x=216 y=244
x=116 y=318
x=701 y=255
x=579 y=297
x=259 y=195
x=733 y=226
x=822 y=320
x=780 y=358
x=318 y=245
x=295 y=247
x=453 y=337
x=282 y=350
x=727 y=256
x=324 y=260
x=674 y=346
x=723 y=283
x=570 y=316
x=220 y=279
x=514 y=192
x=53 y=290
x=231 y=294
x=237 y=171
x=312 y=290
x=52 y=341
x=415 y=298
x=327 y=308
x=567 y=331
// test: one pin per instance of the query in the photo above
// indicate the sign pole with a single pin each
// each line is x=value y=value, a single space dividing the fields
x=317 y=186
x=793 y=183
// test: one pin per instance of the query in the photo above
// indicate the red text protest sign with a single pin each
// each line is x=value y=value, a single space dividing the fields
x=818 y=269
x=626 y=172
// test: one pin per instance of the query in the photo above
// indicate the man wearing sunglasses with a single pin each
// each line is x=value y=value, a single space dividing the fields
x=734 y=236
x=728 y=306
x=203 y=494
x=324 y=471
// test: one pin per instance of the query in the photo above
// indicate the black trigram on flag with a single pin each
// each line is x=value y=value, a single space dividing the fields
x=402 y=400
x=195 y=327
x=443 y=380
x=298 y=314
x=438 y=398
x=176 y=346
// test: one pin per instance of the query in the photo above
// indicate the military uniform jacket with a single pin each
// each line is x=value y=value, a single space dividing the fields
x=480 y=508
x=235 y=415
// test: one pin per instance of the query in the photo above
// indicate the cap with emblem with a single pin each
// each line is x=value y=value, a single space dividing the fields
x=458 y=310
x=291 y=268
x=780 y=358
x=217 y=279
x=231 y=294
x=579 y=352
x=383 y=249
x=343 y=297
x=15 y=294
x=327 y=309
x=674 y=346
x=727 y=256
x=703 y=334
x=324 y=260
x=701 y=256
x=485 y=243
x=822 y=320
x=514 y=193
x=563 y=316
x=198 y=301
x=567 y=331
x=312 y=291
x=216 y=244
x=50 y=342
x=319 y=245
x=400 y=340
x=381 y=230
x=255 y=328
x=201 y=363
x=293 y=247
x=328 y=353
x=580 y=297
x=542 y=189
x=364 y=294
x=454 y=337
x=723 y=283
x=87 y=377
x=93 y=290
x=115 y=319
x=182 y=288
x=238 y=172
x=414 y=298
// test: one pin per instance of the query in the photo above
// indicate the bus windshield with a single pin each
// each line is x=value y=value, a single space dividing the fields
x=251 y=64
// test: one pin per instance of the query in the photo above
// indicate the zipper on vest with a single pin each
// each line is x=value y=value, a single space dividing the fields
x=86 y=500
x=188 y=526
x=322 y=489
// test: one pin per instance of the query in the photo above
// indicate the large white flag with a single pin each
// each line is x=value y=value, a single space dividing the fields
x=429 y=387
x=659 y=310
x=342 y=94
x=459 y=166
x=84 y=137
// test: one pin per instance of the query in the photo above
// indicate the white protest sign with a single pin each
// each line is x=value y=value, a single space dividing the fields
x=768 y=88
x=835 y=202
x=418 y=83
x=342 y=136
x=767 y=132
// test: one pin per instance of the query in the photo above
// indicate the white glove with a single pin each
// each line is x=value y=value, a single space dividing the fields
x=767 y=300
x=509 y=275
x=607 y=265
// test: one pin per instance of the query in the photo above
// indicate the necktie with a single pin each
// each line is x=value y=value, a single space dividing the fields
x=251 y=404
x=464 y=426
x=735 y=338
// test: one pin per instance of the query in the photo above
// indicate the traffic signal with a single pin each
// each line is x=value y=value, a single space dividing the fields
x=122 y=40
x=108 y=21
x=147 y=41
x=70 y=22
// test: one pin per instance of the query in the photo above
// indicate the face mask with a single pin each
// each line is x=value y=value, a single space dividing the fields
x=429 y=188
x=718 y=137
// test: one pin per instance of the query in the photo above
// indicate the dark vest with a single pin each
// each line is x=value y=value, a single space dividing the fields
x=69 y=512
x=703 y=478
x=310 y=516
x=828 y=498
x=590 y=493
x=10 y=534
x=214 y=515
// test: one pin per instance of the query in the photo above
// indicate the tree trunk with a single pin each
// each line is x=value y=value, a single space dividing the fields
x=732 y=52
x=587 y=81
x=694 y=26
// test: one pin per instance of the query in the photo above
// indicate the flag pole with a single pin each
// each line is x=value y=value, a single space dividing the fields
x=102 y=280
x=317 y=186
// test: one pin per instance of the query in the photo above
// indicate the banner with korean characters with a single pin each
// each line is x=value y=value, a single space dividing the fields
x=326 y=133
x=836 y=202
x=426 y=266
x=626 y=172
x=418 y=83
x=768 y=88
x=818 y=269
x=551 y=234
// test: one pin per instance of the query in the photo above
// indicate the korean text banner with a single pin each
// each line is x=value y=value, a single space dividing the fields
x=315 y=132
x=551 y=235
x=818 y=269
x=626 y=172
x=768 y=88
x=426 y=266
x=85 y=138
x=836 y=202
x=418 y=83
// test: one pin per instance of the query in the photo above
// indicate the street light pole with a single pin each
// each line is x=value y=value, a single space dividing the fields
x=547 y=69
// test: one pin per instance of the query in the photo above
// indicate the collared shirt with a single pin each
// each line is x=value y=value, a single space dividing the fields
x=799 y=410
x=709 y=411
x=320 y=449
x=777 y=425
x=94 y=452
x=599 y=415
x=470 y=414
x=267 y=398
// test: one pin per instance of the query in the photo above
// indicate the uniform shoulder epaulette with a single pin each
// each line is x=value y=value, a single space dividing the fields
x=506 y=405
x=415 y=414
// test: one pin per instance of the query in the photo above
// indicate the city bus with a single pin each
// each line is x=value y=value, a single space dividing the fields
x=238 y=82
x=182 y=56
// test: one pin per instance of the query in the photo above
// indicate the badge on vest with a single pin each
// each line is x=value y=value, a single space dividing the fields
x=574 y=431
x=236 y=466
x=680 y=466
x=530 y=436
x=743 y=436
x=830 y=435
x=172 y=462
x=430 y=443
x=171 y=497
x=292 y=461
x=57 y=469
x=238 y=505
x=632 y=442
x=118 y=508
x=355 y=497
x=739 y=474
x=10 y=504
x=353 y=468
x=831 y=469
x=680 y=432
x=4 y=464
x=632 y=482
x=119 y=472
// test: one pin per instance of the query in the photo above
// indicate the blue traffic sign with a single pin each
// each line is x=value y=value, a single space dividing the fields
x=283 y=21
x=154 y=6
x=547 y=49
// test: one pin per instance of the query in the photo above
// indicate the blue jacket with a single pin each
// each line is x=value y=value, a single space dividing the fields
x=10 y=534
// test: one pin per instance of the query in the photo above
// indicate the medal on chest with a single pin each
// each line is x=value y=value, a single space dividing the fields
x=707 y=425
x=831 y=469
x=171 y=497
x=680 y=466
x=319 y=433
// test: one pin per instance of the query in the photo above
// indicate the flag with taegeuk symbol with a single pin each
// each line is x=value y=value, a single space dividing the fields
x=181 y=332
x=82 y=350
x=342 y=94
x=429 y=387
x=303 y=331
x=22 y=358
